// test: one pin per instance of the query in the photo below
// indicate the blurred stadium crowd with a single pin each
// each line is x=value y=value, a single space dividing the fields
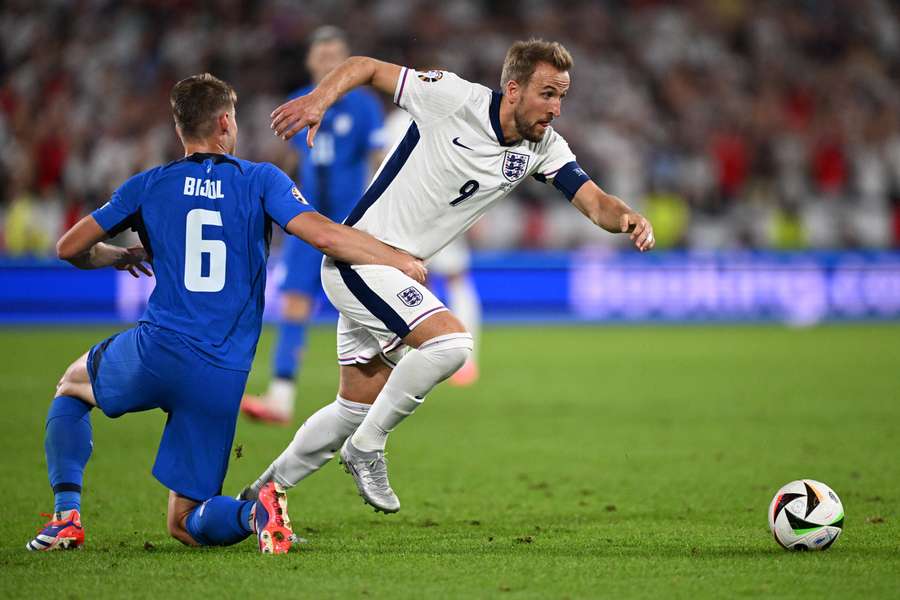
x=731 y=123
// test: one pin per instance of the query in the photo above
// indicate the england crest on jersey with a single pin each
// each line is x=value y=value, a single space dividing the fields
x=515 y=165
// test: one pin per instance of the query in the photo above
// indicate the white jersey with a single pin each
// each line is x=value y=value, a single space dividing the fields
x=451 y=166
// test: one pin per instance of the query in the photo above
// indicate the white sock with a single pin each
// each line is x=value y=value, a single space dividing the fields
x=280 y=396
x=463 y=302
x=414 y=376
x=315 y=443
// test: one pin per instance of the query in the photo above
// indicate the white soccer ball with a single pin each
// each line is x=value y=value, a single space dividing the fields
x=806 y=515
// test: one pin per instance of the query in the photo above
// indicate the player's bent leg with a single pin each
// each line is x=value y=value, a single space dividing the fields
x=203 y=402
x=180 y=508
x=277 y=404
x=440 y=346
x=223 y=521
x=323 y=433
x=75 y=382
x=67 y=444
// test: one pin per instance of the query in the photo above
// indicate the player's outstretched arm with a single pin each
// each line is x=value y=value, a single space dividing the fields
x=307 y=111
x=352 y=245
x=613 y=215
x=83 y=247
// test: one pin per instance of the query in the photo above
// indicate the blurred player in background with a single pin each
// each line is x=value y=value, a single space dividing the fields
x=451 y=263
x=205 y=222
x=466 y=149
x=332 y=175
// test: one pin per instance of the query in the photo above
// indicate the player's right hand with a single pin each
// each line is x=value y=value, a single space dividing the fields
x=297 y=114
x=132 y=260
x=412 y=267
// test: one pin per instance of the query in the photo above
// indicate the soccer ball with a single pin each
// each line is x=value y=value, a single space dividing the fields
x=806 y=515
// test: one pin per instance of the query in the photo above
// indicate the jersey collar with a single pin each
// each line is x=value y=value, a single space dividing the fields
x=199 y=157
x=494 y=111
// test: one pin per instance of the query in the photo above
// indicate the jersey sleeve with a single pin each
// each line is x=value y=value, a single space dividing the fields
x=559 y=167
x=117 y=215
x=430 y=95
x=282 y=201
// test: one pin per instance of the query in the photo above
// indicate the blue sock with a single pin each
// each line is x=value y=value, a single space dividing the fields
x=220 y=521
x=291 y=342
x=68 y=444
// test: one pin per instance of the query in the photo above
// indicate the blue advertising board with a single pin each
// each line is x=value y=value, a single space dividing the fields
x=585 y=285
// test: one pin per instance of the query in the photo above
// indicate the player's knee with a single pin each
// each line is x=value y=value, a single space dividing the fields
x=63 y=388
x=436 y=326
x=75 y=374
x=66 y=384
x=450 y=351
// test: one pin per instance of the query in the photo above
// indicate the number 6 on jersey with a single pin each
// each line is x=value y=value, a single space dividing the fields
x=194 y=249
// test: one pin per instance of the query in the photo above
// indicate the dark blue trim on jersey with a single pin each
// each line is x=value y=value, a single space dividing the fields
x=387 y=175
x=199 y=157
x=135 y=222
x=569 y=179
x=139 y=227
x=372 y=301
x=496 y=97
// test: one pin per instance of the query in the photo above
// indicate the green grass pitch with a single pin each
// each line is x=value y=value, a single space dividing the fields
x=587 y=462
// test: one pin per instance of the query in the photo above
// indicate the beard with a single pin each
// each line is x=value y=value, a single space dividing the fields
x=529 y=131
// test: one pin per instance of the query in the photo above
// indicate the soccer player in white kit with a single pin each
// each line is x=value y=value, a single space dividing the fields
x=451 y=263
x=466 y=148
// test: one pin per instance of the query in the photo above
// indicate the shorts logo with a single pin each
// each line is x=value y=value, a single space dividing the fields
x=515 y=165
x=411 y=296
x=431 y=76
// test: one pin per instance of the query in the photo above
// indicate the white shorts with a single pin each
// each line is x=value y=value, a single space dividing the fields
x=453 y=259
x=379 y=306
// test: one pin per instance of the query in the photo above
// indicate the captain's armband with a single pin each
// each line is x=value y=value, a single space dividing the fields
x=568 y=179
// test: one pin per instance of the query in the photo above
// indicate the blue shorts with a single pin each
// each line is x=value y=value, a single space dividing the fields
x=302 y=267
x=148 y=367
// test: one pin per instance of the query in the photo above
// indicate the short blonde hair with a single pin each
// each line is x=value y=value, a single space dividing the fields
x=523 y=57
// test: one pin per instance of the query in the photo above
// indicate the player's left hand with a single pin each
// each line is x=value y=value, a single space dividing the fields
x=297 y=114
x=640 y=230
x=132 y=260
x=412 y=267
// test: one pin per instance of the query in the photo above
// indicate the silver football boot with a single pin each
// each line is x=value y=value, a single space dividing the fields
x=369 y=471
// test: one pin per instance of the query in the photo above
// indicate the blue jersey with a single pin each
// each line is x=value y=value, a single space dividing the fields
x=206 y=221
x=333 y=172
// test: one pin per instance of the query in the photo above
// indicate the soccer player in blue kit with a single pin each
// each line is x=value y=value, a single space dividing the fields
x=332 y=176
x=205 y=224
